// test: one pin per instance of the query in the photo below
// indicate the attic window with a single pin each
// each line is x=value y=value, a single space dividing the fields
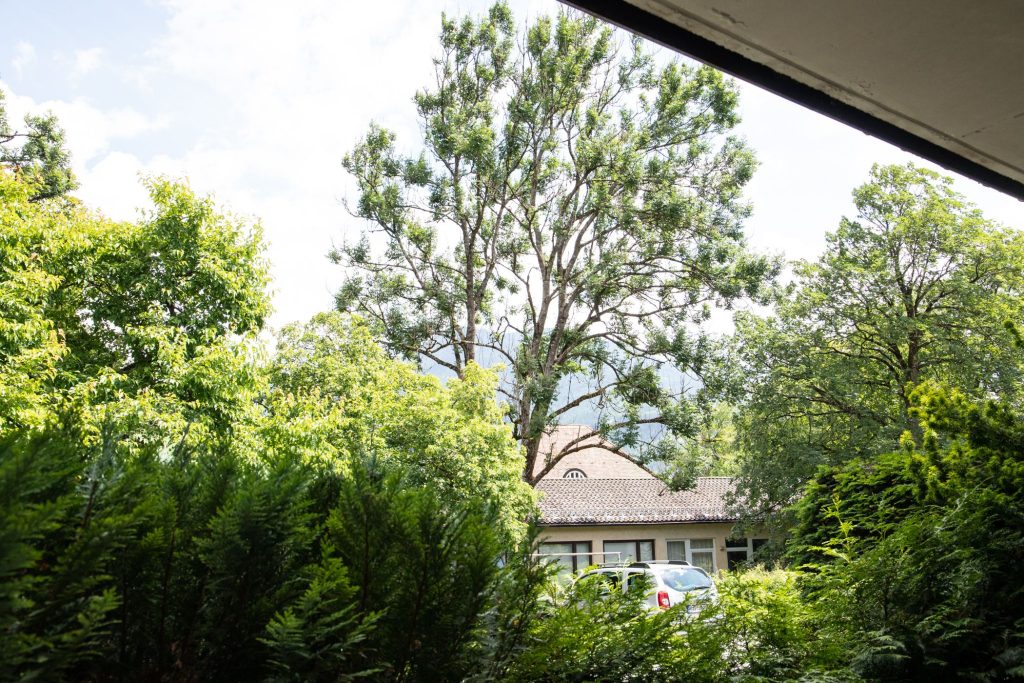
x=574 y=474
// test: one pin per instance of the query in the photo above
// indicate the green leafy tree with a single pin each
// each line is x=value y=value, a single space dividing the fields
x=336 y=394
x=30 y=345
x=712 y=451
x=917 y=287
x=183 y=274
x=173 y=508
x=37 y=155
x=151 y=320
x=574 y=213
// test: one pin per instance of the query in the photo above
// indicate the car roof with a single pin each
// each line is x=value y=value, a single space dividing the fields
x=644 y=567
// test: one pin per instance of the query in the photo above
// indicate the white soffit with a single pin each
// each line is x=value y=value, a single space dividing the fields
x=948 y=72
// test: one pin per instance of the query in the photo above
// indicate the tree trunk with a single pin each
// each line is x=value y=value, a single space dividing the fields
x=912 y=377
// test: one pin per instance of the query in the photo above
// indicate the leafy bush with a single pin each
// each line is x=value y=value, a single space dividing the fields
x=762 y=629
x=772 y=632
x=595 y=633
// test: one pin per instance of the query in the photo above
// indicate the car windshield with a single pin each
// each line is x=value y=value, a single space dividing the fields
x=686 y=579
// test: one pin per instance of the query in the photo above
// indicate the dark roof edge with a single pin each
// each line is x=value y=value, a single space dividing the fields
x=696 y=46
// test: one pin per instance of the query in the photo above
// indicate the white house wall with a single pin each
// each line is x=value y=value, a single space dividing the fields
x=661 y=534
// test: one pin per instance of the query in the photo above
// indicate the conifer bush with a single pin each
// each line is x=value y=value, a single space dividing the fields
x=118 y=565
x=934 y=592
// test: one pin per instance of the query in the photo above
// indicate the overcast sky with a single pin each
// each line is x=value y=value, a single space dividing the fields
x=257 y=100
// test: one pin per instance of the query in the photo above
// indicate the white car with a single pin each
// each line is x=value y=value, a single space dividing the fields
x=670 y=583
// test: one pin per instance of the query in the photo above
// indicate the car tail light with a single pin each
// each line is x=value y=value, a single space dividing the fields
x=663 y=601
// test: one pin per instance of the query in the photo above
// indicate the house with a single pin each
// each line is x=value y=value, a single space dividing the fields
x=599 y=506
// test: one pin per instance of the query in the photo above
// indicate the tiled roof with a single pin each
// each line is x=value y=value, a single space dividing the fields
x=632 y=501
x=596 y=460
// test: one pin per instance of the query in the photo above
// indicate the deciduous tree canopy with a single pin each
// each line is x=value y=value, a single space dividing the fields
x=574 y=212
x=917 y=287
x=128 y=317
x=919 y=551
x=335 y=395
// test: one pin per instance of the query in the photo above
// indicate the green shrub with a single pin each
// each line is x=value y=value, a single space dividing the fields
x=936 y=592
x=772 y=632
x=176 y=565
x=594 y=633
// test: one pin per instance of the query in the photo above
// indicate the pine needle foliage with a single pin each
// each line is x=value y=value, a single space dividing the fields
x=177 y=565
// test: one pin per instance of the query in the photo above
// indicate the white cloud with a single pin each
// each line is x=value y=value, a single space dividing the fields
x=295 y=87
x=24 y=54
x=112 y=185
x=87 y=61
x=90 y=130
x=261 y=99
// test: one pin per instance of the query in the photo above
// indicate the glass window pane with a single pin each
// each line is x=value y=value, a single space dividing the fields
x=735 y=543
x=705 y=559
x=619 y=551
x=685 y=579
x=702 y=544
x=612 y=578
x=560 y=553
x=638 y=581
x=677 y=550
x=555 y=548
x=584 y=561
x=646 y=550
x=759 y=543
x=736 y=558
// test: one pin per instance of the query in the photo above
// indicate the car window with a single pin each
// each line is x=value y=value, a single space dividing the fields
x=608 y=578
x=639 y=581
x=686 y=579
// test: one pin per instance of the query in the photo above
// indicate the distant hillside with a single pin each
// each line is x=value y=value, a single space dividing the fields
x=589 y=412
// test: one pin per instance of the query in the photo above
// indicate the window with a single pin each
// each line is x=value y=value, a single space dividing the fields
x=628 y=551
x=574 y=473
x=640 y=580
x=741 y=550
x=608 y=577
x=700 y=552
x=571 y=555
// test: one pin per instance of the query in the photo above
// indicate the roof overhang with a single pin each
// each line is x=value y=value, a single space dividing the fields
x=938 y=78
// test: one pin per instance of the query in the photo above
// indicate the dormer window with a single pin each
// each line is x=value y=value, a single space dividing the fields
x=574 y=473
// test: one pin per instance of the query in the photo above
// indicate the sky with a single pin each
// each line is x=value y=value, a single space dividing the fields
x=256 y=102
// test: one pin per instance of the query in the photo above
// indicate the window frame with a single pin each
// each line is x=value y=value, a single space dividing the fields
x=573 y=471
x=688 y=550
x=636 y=545
x=589 y=553
x=747 y=548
